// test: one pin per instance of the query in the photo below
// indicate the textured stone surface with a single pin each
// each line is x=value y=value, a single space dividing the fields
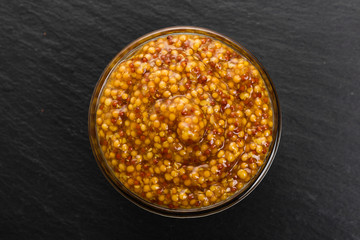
x=52 y=53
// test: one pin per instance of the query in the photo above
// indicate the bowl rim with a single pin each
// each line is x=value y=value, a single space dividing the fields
x=193 y=212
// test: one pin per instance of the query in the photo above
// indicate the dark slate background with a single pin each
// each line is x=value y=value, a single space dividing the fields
x=51 y=55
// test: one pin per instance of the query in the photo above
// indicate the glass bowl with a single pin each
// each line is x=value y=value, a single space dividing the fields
x=193 y=212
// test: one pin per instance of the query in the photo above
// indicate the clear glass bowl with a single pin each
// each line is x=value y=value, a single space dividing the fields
x=193 y=212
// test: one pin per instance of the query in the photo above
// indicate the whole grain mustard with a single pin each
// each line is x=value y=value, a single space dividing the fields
x=185 y=122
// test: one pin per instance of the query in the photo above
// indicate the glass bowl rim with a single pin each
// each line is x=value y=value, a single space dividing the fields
x=192 y=212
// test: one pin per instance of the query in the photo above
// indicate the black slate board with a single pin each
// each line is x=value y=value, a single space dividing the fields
x=52 y=53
